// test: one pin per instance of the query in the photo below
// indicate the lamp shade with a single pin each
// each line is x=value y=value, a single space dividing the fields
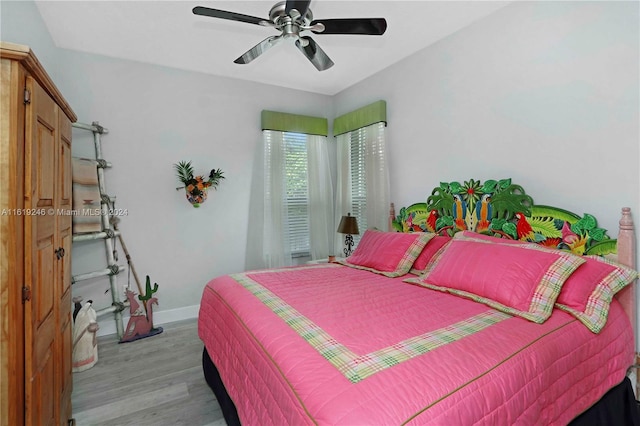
x=348 y=225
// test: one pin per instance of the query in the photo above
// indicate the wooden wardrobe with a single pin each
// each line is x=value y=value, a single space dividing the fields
x=35 y=260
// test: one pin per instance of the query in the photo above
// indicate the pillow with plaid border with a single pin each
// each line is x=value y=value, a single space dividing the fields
x=387 y=253
x=522 y=280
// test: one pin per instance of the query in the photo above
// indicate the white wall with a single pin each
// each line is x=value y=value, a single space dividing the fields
x=20 y=22
x=545 y=93
x=157 y=116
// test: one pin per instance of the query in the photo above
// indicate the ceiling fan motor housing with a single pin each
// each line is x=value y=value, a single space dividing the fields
x=278 y=13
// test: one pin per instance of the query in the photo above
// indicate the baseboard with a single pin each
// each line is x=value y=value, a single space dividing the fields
x=108 y=325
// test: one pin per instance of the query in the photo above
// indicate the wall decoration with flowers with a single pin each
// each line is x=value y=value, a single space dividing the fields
x=196 y=186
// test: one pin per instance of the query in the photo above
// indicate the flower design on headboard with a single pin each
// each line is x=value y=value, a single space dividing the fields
x=501 y=208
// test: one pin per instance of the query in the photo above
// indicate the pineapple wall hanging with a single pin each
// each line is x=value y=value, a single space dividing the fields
x=196 y=187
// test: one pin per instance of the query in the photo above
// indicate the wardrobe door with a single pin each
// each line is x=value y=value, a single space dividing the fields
x=46 y=392
x=63 y=264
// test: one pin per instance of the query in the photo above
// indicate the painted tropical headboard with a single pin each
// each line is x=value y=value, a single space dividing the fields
x=501 y=208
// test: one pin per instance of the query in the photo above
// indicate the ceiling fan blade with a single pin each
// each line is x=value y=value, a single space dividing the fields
x=223 y=14
x=300 y=6
x=258 y=49
x=364 y=26
x=314 y=53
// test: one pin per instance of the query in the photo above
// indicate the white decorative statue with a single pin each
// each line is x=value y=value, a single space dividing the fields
x=85 y=344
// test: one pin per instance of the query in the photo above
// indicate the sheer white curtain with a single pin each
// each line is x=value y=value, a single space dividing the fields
x=268 y=244
x=343 y=187
x=376 y=178
x=320 y=197
x=275 y=246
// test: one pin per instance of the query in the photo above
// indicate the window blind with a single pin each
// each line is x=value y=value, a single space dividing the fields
x=358 y=180
x=365 y=143
x=295 y=190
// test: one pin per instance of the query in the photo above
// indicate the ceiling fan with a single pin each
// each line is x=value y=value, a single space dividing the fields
x=291 y=18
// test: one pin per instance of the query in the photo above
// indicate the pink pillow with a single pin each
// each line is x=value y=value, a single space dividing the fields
x=522 y=280
x=588 y=292
x=388 y=253
x=428 y=252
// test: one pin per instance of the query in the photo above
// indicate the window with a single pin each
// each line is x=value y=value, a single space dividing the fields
x=358 y=206
x=298 y=201
x=363 y=182
x=291 y=201
x=295 y=190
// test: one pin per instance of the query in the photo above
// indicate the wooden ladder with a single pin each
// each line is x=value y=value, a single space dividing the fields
x=108 y=233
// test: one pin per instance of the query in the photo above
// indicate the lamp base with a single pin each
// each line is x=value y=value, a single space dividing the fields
x=348 y=242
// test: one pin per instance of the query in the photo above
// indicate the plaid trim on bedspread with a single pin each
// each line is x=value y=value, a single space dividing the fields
x=358 y=367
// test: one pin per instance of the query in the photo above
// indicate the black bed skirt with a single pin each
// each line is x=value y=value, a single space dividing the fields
x=214 y=381
x=618 y=407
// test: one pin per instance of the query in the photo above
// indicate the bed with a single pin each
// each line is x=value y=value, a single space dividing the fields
x=476 y=307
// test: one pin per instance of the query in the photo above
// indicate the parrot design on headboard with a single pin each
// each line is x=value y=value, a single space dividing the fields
x=524 y=230
x=459 y=212
x=483 y=213
x=431 y=221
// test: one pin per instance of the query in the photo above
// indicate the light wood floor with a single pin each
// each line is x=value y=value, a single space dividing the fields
x=152 y=381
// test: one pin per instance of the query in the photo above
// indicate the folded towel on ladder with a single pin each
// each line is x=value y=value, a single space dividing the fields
x=86 y=196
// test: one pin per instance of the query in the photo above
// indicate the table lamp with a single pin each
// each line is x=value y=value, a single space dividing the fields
x=349 y=227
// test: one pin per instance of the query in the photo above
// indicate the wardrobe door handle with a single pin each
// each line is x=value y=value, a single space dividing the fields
x=60 y=253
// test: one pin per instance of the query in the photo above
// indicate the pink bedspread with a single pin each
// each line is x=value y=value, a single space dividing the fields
x=331 y=345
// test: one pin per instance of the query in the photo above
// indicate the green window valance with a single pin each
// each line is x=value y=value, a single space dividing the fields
x=372 y=113
x=284 y=122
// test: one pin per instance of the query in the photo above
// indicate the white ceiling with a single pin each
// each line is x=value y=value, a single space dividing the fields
x=167 y=33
